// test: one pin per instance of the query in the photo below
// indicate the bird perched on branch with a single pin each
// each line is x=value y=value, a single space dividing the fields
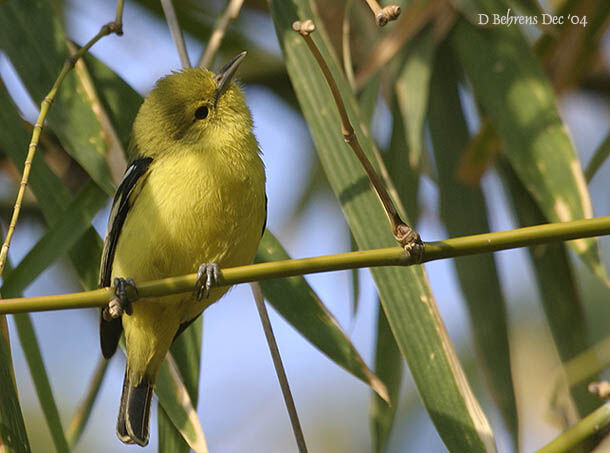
x=192 y=199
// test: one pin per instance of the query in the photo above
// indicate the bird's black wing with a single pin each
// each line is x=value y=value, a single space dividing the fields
x=185 y=324
x=110 y=331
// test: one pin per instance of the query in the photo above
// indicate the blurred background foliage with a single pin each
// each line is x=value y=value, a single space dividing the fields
x=480 y=128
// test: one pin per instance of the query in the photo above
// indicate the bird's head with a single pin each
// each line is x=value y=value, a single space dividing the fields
x=192 y=109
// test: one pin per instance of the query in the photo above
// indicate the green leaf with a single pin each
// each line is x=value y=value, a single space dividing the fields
x=412 y=88
x=404 y=292
x=83 y=413
x=388 y=366
x=31 y=349
x=33 y=39
x=13 y=437
x=367 y=100
x=405 y=177
x=75 y=221
x=177 y=405
x=29 y=343
x=307 y=314
x=557 y=285
x=509 y=83
x=186 y=352
x=464 y=212
x=120 y=101
x=599 y=157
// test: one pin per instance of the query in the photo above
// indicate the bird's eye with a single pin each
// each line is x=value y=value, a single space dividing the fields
x=201 y=113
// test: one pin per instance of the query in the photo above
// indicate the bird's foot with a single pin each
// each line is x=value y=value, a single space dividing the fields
x=208 y=276
x=120 y=303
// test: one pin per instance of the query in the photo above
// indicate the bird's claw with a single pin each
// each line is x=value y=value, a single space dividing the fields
x=208 y=276
x=120 y=303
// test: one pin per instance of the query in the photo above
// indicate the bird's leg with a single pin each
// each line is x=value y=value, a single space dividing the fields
x=208 y=276
x=120 y=302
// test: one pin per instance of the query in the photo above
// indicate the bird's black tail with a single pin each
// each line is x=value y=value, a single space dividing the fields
x=134 y=413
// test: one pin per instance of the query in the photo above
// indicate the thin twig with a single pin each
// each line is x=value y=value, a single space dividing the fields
x=404 y=234
x=115 y=27
x=279 y=366
x=418 y=14
x=211 y=49
x=392 y=256
x=383 y=15
x=176 y=32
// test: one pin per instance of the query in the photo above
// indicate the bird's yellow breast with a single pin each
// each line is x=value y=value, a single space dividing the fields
x=191 y=208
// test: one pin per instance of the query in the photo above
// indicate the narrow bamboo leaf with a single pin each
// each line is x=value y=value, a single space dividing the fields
x=75 y=221
x=534 y=138
x=388 y=366
x=47 y=187
x=306 y=312
x=557 y=285
x=599 y=157
x=367 y=100
x=479 y=155
x=29 y=343
x=31 y=349
x=120 y=101
x=79 y=421
x=404 y=292
x=186 y=352
x=464 y=212
x=405 y=177
x=13 y=437
x=32 y=37
x=412 y=88
x=177 y=405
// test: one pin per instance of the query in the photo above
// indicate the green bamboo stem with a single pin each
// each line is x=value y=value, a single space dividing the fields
x=596 y=422
x=392 y=256
x=116 y=27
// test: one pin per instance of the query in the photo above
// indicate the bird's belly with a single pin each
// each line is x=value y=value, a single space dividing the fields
x=190 y=214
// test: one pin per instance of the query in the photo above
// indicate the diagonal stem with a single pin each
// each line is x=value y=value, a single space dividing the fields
x=220 y=28
x=404 y=234
x=176 y=32
x=279 y=367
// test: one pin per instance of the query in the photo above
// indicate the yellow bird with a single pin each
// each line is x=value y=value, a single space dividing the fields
x=192 y=199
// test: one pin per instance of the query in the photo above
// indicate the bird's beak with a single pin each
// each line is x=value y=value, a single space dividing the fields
x=224 y=77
